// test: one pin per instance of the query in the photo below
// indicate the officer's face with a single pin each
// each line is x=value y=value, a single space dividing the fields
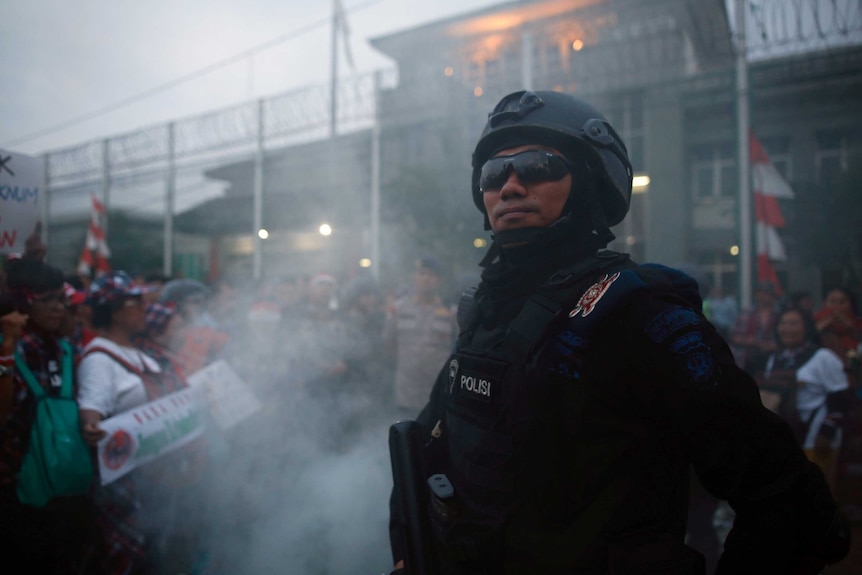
x=526 y=205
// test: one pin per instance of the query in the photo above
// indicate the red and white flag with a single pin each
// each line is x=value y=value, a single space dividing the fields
x=769 y=187
x=96 y=251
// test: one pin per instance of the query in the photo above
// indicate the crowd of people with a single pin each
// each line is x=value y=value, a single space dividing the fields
x=320 y=357
x=805 y=360
x=336 y=361
x=355 y=356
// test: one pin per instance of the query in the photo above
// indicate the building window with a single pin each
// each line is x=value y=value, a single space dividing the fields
x=713 y=173
x=832 y=159
x=720 y=268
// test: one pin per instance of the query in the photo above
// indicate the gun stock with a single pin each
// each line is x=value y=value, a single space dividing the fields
x=412 y=497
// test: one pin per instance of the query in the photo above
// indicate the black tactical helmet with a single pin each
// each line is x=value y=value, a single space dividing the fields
x=569 y=124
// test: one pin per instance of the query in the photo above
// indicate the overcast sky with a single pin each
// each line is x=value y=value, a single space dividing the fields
x=62 y=60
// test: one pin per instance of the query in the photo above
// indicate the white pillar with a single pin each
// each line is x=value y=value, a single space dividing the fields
x=375 y=182
x=258 y=195
x=746 y=245
x=170 y=205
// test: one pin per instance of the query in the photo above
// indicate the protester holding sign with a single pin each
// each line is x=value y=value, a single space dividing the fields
x=182 y=470
x=49 y=533
x=116 y=377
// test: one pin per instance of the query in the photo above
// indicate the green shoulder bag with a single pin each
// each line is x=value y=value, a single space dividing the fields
x=57 y=462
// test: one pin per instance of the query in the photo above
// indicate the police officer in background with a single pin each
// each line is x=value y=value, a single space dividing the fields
x=583 y=387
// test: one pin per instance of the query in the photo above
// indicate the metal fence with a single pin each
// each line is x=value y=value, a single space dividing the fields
x=159 y=171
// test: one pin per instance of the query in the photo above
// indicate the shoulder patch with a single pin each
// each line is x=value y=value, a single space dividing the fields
x=591 y=297
x=670 y=321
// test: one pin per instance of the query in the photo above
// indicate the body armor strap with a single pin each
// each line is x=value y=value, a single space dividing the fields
x=554 y=298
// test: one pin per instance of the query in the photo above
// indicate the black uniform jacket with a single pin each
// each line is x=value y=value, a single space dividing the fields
x=630 y=388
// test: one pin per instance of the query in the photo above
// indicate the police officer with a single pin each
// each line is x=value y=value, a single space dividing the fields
x=584 y=387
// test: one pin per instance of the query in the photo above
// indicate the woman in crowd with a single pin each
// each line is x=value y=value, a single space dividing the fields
x=841 y=330
x=180 y=473
x=807 y=384
x=116 y=376
x=59 y=537
x=838 y=323
x=752 y=337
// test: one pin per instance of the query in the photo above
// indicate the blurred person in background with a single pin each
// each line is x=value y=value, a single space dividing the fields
x=803 y=300
x=114 y=377
x=204 y=340
x=807 y=385
x=321 y=347
x=797 y=342
x=223 y=303
x=838 y=322
x=363 y=316
x=59 y=538
x=290 y=292
x=264 y=352
x=721 y=309
x=753 y=335
x=419 y=334
x=320 y=337
x=841 y=329
x=182 y=474
x=76 y=326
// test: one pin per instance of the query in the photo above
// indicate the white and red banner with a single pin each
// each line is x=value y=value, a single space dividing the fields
x=149 y=431
x=95 y=252
x=769 y=187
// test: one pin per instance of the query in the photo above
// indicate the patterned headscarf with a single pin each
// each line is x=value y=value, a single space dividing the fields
x=114 y=288
x=158 y=317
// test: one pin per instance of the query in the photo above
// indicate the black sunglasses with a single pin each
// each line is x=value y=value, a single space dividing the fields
x=531 y=166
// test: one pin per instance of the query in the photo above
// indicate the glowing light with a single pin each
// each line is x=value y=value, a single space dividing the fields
x=577 y=45
x=477 y=91
x=262 y=233
x=640 y=183
x=365 y=263
x=631 y=240
x=448 y=71
x=734 y=250
x=480 y=243
x=325 y=230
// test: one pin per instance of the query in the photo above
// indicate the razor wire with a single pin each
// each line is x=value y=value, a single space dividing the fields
x=779 y=27
x=298 y=116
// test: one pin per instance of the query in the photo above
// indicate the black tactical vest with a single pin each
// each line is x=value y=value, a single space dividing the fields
x=500 y=444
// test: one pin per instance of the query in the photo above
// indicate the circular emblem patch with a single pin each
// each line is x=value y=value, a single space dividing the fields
x=118 y=449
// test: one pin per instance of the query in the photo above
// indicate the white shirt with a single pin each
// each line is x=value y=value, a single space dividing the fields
x=821 y=375
x=106 y=386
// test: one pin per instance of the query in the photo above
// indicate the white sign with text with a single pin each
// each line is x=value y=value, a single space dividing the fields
x=149 y=431
x=22 y=184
